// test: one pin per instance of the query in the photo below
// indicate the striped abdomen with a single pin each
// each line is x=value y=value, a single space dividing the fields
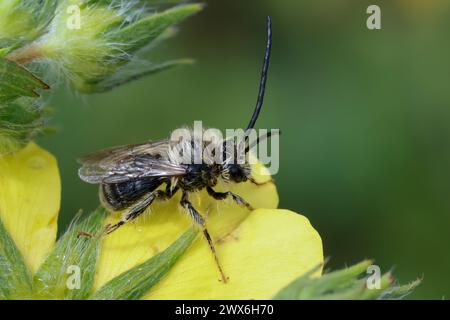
x=119 y=196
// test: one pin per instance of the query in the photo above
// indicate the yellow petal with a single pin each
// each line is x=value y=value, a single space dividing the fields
x=266 y=252
x=136 y=242
x=30 y=194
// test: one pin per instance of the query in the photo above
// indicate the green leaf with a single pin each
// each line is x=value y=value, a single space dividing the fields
x=345 y=284
x=16 y=81
x=15 y=281
x=71 y=254
x=134 y=283
x=142 y=32
x=21 y=119
x=128 y=74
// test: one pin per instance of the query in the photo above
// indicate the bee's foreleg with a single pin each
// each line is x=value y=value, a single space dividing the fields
x=82 y=234
x=223 y=195
x=252 y=180
x=137 y=209
x=198 y=219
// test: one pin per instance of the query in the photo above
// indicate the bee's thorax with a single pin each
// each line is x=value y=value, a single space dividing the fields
x=199 y=176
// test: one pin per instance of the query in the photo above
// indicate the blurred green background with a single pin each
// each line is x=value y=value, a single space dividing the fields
x=365 y=118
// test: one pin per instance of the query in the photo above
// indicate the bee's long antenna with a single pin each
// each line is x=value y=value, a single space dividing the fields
x=261 y=138
x=262 y=83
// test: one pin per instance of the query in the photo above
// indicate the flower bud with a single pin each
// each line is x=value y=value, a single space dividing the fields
x=89 y=41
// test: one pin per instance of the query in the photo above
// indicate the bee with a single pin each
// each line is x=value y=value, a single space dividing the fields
x=132 y=177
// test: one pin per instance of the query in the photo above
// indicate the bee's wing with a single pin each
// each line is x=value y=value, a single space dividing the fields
x=114 y=154
x=129 y=162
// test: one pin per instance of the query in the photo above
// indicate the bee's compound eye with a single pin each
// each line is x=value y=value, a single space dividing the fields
x=236 y=173
x=234 y=170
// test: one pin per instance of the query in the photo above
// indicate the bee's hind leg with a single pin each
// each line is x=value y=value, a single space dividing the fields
x=198 y=219
x=223 y=195
x=137 y=209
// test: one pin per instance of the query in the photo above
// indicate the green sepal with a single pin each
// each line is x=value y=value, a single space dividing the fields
x=15 y=282
x=346 y=284
x=129 y=74
x=57 y=276
x=134 y=283
x=20 y=121
x=142 y=32
x=16 y=81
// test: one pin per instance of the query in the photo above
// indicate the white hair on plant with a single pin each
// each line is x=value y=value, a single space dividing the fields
x=108 y=35
x=69 y=50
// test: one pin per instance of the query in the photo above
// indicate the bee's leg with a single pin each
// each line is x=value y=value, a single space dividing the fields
x=223 y=195
x=196 y=216
x=252 y=180
x=137 y=209
x=82 y=234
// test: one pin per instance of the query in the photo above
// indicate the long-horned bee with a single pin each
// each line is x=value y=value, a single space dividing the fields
x=131 y=177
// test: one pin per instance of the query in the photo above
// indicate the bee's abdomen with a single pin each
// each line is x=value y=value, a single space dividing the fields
x=119 y=196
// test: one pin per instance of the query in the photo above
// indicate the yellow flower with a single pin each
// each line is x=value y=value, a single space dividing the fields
x=261 y=251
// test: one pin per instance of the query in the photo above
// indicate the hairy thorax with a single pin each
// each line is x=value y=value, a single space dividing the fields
x=199 y=176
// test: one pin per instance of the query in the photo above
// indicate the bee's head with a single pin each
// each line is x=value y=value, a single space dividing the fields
x=237 y=172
